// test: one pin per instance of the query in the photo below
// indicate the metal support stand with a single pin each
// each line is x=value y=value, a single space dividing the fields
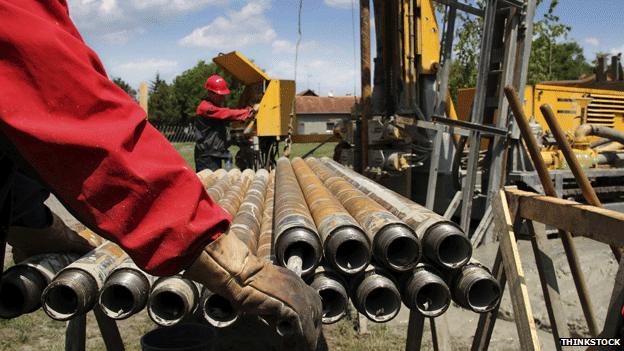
x=76 y=331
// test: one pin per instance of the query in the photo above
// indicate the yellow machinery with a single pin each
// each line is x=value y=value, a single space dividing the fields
x=259 y=139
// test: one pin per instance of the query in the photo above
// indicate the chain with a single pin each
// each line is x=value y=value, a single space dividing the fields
x=293 y=114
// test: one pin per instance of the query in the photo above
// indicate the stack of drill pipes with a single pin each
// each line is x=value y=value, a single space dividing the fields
x=75 y=289
x=125 y=291
x=395 y=245
x=294 y=228
x=444 y=243
x=233 y=197
x=217 y=191
x=208 y=178
x=473 y=287
x=246 y=223
x=347 y=248
x=265 y=237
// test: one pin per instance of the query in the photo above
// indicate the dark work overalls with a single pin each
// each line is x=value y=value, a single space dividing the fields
x=210 y=144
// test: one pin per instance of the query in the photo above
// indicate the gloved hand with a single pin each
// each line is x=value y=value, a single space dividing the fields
x=256 y=286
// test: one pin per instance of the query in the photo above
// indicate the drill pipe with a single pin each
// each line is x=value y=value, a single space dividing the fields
x=375 y=294
x=233 y=197
x=395 y=245
x=424 y=290
x=125 y=291
x=246 y=223
x=293 y=223
x=74 y=290
x=474 y=287
x=347 y=248
x=22 y=285
x=172 y=299
x=444 y=243
x=217 y=310
x=219 y=188
x=265 y=237
x=334 y=296
x=208 y=178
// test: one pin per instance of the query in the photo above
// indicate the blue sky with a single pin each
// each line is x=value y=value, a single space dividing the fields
x=137 y=38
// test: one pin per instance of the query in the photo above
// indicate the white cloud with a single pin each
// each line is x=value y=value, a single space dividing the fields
x=593 y=41
x=150 y=65
x=235 y=30
x=340 y=4
x=617 y=50
x=110 y=19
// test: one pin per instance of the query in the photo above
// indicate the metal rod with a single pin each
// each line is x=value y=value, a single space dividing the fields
x=474 y=287
x=425 y=291
x=218 y=190
x=375 y=295
x=365 y=62
x=549 y=190
x=246 y=222
x=234 y=195
x=217 y=310
x=171 y=300
x=125 y=291
x=334 y=296
x=265 y=237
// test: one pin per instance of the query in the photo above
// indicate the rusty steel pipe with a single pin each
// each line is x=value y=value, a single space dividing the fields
x=234 y=195
x=473 y=287
x=334 y=295
x=424 y=290
x=75 y=289
x=217 y=310
x=209 y=178
x=347 y=248
x=172 y=299
x=246 y=222
x=443 y=242
x=22 y=285
x=125 y=291
x=375 y=294
x=265 y=237
x=395 y=245
x=221 y=186
x=294 y=228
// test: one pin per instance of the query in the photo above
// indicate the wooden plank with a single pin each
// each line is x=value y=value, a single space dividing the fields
x=109 y=331
x=76 y=333
x=581 y=220
x=523 y=314
x=414 y=331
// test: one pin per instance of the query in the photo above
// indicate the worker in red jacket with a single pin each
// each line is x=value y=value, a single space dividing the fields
x=64 y=124
x=211 y=144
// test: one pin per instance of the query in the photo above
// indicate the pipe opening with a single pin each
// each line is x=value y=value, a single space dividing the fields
x=117 y=301
x=483 y=295
x=382 y=304
x=351 y=256
x=219 y=309
x=403 y=253
x=454 y=251
x=61 y=301
x=168 y=307
x=12 y=300
x=303 y=250
x=334 y=305
x=432 y=299
x=285 y=328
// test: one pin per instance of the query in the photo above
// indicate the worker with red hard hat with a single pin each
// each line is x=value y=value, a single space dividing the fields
x=65 y=127
x=211 y=144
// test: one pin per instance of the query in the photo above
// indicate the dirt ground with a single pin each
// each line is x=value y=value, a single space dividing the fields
x=38 y=332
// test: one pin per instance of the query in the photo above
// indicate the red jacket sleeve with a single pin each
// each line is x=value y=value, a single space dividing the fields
x=209 y=110
x=91 y=144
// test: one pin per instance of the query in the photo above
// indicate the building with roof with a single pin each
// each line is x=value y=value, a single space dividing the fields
x=319 y=114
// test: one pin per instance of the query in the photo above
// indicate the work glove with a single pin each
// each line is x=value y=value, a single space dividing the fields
x=255 y=286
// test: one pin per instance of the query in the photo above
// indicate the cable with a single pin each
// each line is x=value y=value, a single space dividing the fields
x=353 y=37
x=293 y=114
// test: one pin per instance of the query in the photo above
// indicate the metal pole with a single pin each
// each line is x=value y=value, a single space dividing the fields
x=549 y=190
x=365 y=61
x=586 y=188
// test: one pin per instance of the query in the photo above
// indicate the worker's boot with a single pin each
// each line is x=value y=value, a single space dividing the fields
x=255 y=286
x=57 y=237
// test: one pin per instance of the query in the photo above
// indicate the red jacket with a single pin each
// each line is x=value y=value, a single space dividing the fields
x=209 y=110
x=92 y=145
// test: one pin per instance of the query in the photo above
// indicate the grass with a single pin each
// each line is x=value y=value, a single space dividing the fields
x=187 y=150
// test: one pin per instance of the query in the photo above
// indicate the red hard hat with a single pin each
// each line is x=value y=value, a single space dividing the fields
x=217 y=85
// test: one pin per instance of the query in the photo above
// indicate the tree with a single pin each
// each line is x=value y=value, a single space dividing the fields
x=125 y=87
x=162 y=103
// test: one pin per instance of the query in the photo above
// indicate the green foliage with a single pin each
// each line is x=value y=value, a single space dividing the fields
x=162 y=103
x=125 y=87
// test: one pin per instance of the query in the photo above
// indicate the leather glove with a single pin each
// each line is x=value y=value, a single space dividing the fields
x=255 y=286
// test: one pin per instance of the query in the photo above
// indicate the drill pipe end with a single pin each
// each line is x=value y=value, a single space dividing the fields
x=124 y=293
x=217 y=310
x=334 y=296
x=348 y=250
x=71 y=293
x=378 y=298
x=476 y=289
x=426 y=292
x=302 y=242
x=20 y=291
x=397 y=247
x=446 y=245
x=171 y=301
